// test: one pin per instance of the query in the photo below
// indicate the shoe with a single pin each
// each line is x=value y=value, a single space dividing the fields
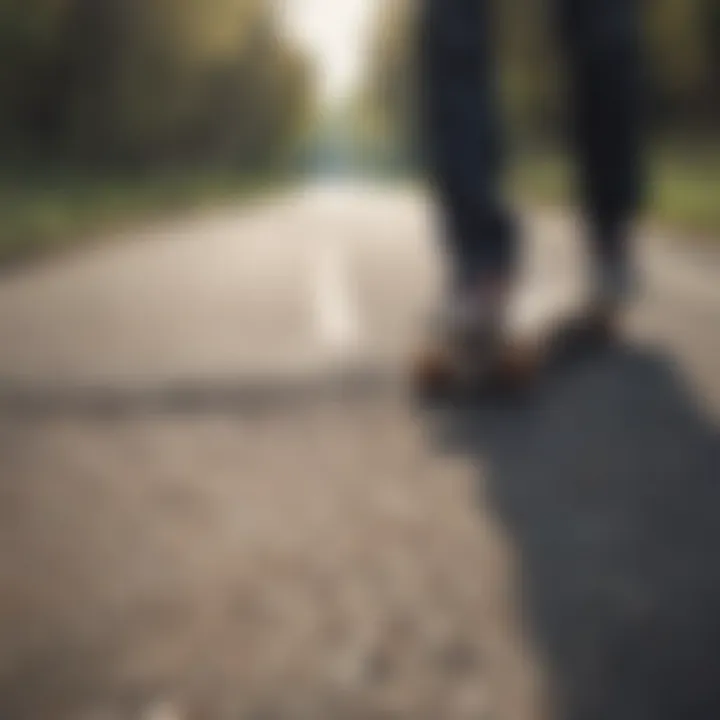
x=470 y=328
x=471 y=348
x=597 y=325
x=614 y=285
x=474 y=314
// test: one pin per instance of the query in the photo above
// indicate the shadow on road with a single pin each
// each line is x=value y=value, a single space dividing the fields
x=609 y=486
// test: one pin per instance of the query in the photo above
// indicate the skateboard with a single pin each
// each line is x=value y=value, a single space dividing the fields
x=517 y=361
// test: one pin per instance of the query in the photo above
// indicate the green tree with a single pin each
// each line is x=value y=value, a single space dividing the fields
x=148 y=83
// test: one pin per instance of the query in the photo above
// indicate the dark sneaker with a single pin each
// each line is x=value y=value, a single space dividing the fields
x=476 y=312
x=614 y=286
x=598 y=324
x=472 y=324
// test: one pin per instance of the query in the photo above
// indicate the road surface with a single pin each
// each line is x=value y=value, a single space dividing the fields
x=216 y=501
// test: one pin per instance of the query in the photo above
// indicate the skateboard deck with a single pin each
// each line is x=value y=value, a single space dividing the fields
x=527 y=353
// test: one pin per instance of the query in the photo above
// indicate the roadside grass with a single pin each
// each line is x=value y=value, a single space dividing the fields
x=46 y=214
x=683 y=194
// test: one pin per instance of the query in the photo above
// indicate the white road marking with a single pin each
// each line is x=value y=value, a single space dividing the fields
x=336 y=312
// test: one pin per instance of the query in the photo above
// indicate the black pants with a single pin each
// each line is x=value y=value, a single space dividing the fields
x=462 y=130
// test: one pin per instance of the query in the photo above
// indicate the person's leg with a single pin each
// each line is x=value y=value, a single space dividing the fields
x=461 y=135
x=602 y=38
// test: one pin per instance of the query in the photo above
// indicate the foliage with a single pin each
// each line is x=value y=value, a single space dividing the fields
x=52 y=213
x=145 y=84
x=682 y=49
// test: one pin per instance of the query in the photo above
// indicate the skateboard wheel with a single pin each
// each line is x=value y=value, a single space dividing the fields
x=519 y=365
x=432 y=374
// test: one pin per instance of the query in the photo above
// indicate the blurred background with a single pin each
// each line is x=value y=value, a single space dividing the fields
x=216 y=501
x=109 y=108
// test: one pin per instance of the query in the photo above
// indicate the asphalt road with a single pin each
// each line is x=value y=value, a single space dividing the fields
x=217 y=502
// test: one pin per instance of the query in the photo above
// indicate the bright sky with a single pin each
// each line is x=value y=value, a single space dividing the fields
x=335 y=32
